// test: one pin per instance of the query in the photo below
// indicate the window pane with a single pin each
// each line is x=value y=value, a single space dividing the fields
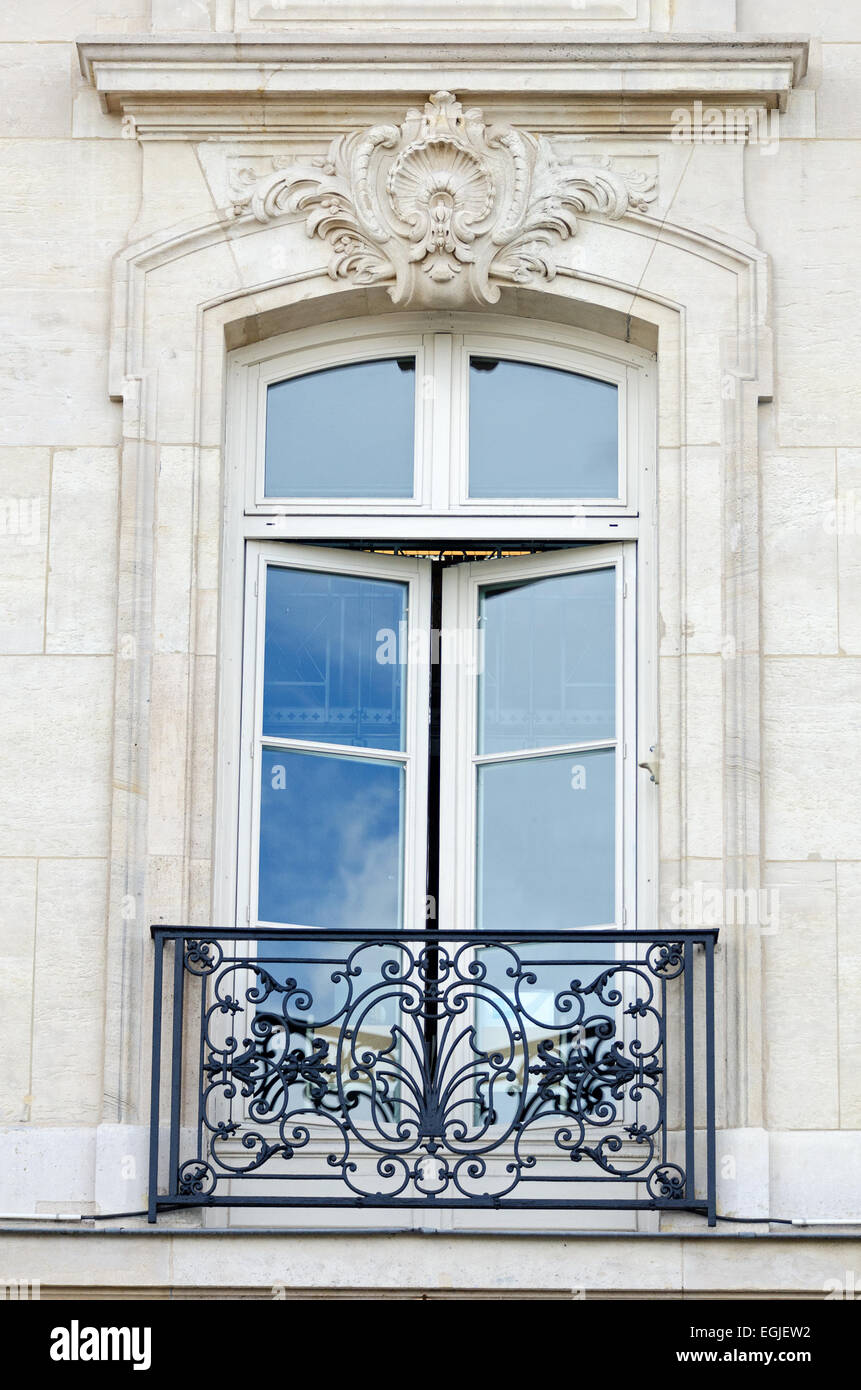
x=549 y=662
x=332 y=672
x=307 y=1011
x=539 y=432
x=580 y=1035
x=546 y=842
x=344 y=432
x=330 y=840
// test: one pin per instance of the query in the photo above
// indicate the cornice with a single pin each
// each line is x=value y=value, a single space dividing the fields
x=188 y=71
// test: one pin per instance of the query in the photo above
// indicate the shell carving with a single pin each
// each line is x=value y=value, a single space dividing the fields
x=442 y=193
x=442 y=210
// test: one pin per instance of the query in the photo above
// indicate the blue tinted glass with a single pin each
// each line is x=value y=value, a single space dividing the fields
x=345 y=432
x=331 y=670
x=313 y=985
x=548 y=662
x=576 y=1026
x=314 y=997
x=330 y=840
x=540 y=432
x=546 y=842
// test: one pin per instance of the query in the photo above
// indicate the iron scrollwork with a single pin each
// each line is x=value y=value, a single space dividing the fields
x=471 y=1071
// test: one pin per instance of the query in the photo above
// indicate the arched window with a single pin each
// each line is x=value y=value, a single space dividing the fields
x=439 y=689
x=406 y=417
x=439 y=537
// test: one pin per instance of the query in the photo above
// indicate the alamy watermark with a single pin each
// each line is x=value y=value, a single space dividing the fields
x=842 y=515
x=730 y=125
x=708 y=905
x=849 y=1287
x=20 y=1290
x=77 y=1343
x=21 y=519
x=417 y=646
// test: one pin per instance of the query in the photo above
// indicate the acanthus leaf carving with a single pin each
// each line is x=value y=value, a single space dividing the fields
x=442 y=209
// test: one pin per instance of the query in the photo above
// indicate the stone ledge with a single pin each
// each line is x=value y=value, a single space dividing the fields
x=262 y=1264
x=187 y=69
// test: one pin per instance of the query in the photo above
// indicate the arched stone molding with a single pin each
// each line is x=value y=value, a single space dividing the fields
x=183 y=298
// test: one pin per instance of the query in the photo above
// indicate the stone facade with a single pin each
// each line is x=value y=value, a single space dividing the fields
x=157 y=157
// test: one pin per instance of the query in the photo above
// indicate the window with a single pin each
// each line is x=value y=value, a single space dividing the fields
x=402 y=419
x=444 y=561
x=367 y=446
x=540 y=431
x=538 y=794
x=340 y=739
x=436 y=700
x=521 y=819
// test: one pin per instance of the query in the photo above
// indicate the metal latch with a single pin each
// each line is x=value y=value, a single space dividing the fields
x=652 y=765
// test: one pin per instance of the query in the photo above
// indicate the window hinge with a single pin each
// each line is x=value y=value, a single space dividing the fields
x=624 y=916
x=247 y=913
x=255 y=588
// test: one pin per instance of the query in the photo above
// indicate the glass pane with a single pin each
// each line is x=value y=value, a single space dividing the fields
x=574 y=1024
x=546 y=842
x=333 y=671
x=308 y=988
x=344 y=432
x=540 y=432
x=330 y=840
x=549 y=662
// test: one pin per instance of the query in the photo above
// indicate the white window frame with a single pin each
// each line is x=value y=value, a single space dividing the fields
x=300 y=360
x=459 y=758
x=250 y=526
x=441 y=345
x=443 y=338
x=541 y=352
x=414 y=758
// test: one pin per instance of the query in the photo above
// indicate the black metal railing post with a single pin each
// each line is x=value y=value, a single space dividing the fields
x=155 y=1075
x=176 y=1059
x=711 y=1137
x=690 y=1092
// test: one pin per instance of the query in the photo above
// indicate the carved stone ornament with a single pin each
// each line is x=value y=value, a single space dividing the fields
x=442 y=209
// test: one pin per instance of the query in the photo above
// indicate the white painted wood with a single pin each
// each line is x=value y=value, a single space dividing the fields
x=436 y=529
x=327 y=354
x=414 y=573
x=442 y=441
x=546 y=350
x=442 y=408
x=459 y=718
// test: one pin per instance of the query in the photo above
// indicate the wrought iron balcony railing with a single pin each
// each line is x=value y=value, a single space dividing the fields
x=526 y=1070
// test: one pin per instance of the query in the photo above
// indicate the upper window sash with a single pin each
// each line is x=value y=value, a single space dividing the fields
x=588 y=367
x=442 y=414
x=304 y=361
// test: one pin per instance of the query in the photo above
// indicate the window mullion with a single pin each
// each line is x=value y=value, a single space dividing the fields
x=438 y=388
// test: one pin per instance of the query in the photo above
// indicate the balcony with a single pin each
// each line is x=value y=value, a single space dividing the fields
x=341 y=1069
